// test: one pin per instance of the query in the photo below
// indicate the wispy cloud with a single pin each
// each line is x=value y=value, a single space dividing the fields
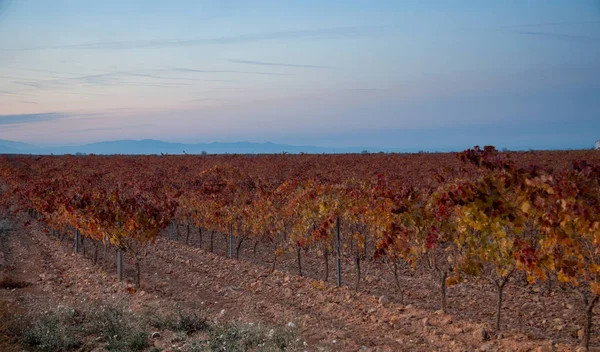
x=176 y=78
x=18 y=94
x=10 y=77
x=31 y=118
x=87 y=94
x=305 y=34
x=106 y=79
x=182 y=69
x=365 y=89
x=32 y=84
x=263 y=63
x=560 y=36
x=203 y=99
x=93 y=129
x=547 y=24
x=51 y=83
x=144 y=75
x=40 y=71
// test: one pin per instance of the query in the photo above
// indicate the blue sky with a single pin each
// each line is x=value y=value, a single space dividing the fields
x=394 y=74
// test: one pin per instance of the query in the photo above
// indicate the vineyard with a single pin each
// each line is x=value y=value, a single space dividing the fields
x=524 y=223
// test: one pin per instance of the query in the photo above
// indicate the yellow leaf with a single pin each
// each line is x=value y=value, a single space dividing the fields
x=595 y=287
x=525 y=207
x=452 y=280
x=562 y=277
x=319 y=285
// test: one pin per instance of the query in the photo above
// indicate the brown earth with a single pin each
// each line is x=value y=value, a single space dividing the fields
x=329 y=318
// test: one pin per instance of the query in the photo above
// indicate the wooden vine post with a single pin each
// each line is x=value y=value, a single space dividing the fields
x=231 y=241
x=77 y=240
x=339 y=253
x=120 y=264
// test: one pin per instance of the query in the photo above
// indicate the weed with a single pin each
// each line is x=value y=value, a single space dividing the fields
x=188 y=322
x=244 y=337
x=66 y=328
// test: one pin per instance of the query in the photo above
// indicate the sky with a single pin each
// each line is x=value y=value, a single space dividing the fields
x=390 y=74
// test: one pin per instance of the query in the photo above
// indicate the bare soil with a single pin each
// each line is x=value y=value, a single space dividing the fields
x=43 y=272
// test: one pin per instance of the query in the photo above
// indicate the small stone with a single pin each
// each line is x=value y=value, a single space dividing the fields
x=580 y=334
x=447 y=320
x=480 y=335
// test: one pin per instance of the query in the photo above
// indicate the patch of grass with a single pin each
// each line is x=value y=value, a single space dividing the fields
x=115 y=328
x=119 y=328
x=244 y=337
x=49 y=331
x=188 y=322
x=66 y=329
x=137 y=341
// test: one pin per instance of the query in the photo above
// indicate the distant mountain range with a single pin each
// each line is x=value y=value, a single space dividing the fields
x=150 y=146
x=156 y=147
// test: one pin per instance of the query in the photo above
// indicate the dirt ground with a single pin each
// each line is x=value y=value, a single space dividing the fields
x=328 y=318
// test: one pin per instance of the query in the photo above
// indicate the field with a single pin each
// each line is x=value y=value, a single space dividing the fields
x=246 y=248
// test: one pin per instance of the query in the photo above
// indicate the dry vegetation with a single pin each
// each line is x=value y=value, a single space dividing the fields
x=52 y=299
